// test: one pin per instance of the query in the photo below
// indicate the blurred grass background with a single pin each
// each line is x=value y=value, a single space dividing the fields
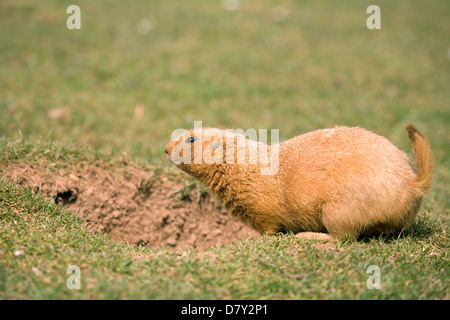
x=136 y=72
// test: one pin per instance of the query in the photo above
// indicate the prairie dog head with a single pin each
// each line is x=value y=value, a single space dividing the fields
x=195 y=150
x=198 y=150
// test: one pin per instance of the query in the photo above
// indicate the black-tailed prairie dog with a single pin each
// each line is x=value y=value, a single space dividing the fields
x=330 y=183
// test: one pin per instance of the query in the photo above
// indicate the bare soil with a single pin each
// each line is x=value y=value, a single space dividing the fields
x=135 y=205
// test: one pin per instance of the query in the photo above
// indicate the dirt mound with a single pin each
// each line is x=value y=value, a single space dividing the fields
x=135 y=205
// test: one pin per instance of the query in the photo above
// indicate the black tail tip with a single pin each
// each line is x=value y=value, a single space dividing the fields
x=412 y=131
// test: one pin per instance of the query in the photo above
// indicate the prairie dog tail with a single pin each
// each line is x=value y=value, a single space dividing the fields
x=424 y=158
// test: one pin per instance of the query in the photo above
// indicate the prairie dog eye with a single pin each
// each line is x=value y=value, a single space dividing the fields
x=191 y=140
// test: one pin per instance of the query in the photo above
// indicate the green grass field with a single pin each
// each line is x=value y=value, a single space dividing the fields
x=136 y=72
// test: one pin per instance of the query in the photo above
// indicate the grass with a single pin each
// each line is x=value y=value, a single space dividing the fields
x=40 y=240
x=34 y=262
x=118 y=90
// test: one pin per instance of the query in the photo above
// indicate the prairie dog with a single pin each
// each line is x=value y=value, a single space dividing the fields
x=341 y=182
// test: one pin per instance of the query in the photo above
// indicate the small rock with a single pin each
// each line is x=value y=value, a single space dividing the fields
x=18 y=253
x=300 y=275
x=57 y=114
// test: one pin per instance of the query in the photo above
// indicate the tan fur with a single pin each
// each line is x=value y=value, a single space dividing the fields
x=347 y=182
